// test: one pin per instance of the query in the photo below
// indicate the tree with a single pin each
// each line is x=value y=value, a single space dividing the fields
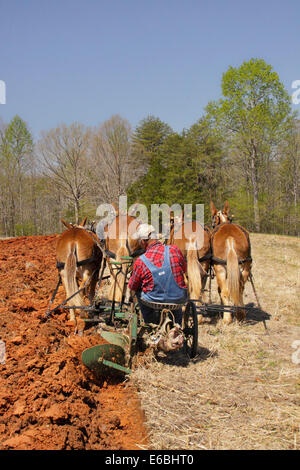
x=16 y=150
x=148 y=138
x=147 y=142
x=111 y=158
x=254 y=113
x=209 y=160
x=64 y=153
x=288 y=170
x=185 y=168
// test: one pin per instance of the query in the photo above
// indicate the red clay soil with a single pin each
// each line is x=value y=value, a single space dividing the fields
x=48 y=398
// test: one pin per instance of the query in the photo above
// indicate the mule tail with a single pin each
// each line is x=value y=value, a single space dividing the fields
x=194 y=270
x=70 y=278
x=233 y=272
x=119 y=277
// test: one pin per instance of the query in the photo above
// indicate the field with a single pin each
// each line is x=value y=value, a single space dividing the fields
x=242 y=391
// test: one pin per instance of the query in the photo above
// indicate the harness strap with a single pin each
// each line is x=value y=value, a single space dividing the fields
x=137 y=252
x=216 y=260
x=109 y=253
x=132 y=254
x=69 y=298
x=54 y=295
x=205 y=257
x=94 y=257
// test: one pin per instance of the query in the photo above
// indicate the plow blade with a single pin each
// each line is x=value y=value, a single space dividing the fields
x=105 y=357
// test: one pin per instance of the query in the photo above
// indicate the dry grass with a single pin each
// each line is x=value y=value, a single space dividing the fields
x=242 y=391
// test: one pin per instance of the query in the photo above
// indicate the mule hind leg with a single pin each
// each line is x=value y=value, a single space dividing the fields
x=72 y=317
x=220 y=272
x=241 y=313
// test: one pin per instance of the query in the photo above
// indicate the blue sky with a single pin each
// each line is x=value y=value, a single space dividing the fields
x=71 y=60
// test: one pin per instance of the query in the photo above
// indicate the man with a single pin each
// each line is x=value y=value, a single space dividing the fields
x=158 y=275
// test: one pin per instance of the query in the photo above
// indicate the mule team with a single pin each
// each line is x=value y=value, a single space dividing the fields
x=225 y=247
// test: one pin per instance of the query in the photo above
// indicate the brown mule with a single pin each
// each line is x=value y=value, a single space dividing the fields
x=231 y=259
x=78 y=256
x=118 y=243
x=194 y=242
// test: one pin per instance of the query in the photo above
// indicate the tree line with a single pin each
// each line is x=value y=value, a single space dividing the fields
x=244 y=148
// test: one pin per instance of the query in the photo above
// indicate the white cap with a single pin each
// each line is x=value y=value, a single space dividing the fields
x=144 y=232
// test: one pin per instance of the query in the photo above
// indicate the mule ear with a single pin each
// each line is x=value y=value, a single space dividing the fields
x=83 y=222
x=226 y=208
x=66 y=223
x=213 y=209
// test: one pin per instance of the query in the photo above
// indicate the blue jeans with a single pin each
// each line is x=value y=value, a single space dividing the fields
x=151 y=316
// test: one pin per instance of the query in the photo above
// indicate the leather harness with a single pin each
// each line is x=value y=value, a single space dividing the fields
x=94 y=257
x=132 y=254
x=215 y=259
x=208 y=255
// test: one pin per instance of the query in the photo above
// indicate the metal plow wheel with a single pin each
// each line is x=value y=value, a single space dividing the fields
x=190 y=329
x=105 y=357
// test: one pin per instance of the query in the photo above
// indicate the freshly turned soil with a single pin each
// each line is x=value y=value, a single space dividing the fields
x=48 y=398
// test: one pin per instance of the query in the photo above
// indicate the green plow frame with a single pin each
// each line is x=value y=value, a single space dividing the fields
x=119 y=350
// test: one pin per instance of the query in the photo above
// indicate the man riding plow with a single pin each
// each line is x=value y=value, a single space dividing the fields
x=158 y=275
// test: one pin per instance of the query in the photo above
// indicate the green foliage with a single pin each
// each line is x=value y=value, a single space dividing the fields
x=254 y=115
x=147 y=142
x=18 y=138
x=148 y=138
x=16 y=147
x=151 y=133
x=255 y=105
x=183 y=170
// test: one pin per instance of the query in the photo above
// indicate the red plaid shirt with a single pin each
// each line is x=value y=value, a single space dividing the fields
x=141 y=277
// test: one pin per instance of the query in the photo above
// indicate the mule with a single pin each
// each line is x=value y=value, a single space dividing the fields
x=118 y=243
x=193 y=240
x=231 y=259
x=78 y=258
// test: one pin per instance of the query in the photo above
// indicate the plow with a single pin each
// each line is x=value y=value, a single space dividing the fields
x=123 y=330
x=129 y=334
